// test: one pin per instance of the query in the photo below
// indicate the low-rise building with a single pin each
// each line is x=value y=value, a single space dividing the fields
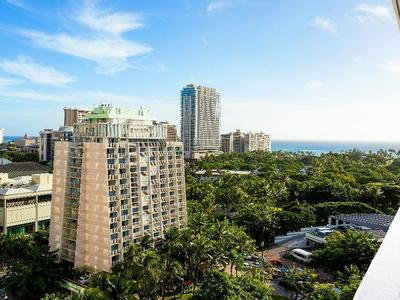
x=25 y=203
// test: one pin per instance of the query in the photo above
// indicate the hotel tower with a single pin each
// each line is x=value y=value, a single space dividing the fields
x=200 y=121
x=119 y=180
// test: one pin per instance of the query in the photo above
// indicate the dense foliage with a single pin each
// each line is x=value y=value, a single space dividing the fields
x=291 y=191
x=345 y=249
x=16 y=155
x=31 y=268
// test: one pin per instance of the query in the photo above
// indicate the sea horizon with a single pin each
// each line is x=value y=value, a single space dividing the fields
x=314 y=146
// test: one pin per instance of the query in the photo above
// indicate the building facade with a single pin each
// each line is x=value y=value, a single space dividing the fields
x=74 y=116
x=172 y=134
x=257 y=142
x=200 y=120
x=239 y=142
x=25 y=203
x=117 y=182
x=48 y=137
x=227 y=142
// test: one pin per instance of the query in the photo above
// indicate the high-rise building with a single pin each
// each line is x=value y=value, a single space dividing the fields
x=73 y=116
x=239 y=142
x=1 y=135
x=25 y=203
x=200 y=120
x=118 y=181
x=48 y=137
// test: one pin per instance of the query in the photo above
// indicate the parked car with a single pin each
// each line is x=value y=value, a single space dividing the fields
x=84 y=279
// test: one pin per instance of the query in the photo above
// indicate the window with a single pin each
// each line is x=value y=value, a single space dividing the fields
x=114 y=247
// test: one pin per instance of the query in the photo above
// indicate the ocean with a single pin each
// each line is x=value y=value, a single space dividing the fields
x=319 y=147
x=10 y=138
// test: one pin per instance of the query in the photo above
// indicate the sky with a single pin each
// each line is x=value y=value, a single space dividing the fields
x=297 y=69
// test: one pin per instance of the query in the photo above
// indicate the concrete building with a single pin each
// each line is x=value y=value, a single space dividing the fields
x=48 y=137
x=1 y=135
x=73 y=116
x=200 y=120
x=172 y=134
x=257 y=142
x=227 y=142
x=25 y=203
x=239 y=142
x=117 y=182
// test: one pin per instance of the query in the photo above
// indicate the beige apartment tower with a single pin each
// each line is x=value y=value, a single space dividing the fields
x=117 y=182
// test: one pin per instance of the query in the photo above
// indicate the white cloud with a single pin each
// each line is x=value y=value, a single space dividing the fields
x=391 y=66
x=99 y=40
x=28 y=69
x=6 y=82
x=107 y=20
x=312 y=84
x=325 y=23
x=372 y=13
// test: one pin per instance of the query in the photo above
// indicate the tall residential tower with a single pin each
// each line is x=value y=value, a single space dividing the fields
x=200 y=120
x=120 y=179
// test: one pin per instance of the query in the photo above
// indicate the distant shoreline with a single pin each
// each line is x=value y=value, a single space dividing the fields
x=316 y=147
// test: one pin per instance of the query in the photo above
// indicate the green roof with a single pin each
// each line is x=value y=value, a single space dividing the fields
x=110 y=112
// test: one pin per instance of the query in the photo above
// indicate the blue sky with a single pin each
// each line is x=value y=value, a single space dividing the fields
x=298 y=69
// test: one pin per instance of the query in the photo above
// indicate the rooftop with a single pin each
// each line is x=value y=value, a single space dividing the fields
x=25 y=184
x=108 y=112
x=373 y=221
x=16 y=169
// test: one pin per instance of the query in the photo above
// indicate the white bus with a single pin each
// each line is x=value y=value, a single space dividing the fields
x=302 y=255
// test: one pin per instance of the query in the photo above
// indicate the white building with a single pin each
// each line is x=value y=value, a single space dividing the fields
x=200 y=121
x=1 y=135
x=25 y=203
x=239 y=142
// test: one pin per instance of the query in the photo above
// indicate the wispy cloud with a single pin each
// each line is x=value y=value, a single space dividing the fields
x=107 y=20
x=97 y=37
x=325 y=23
x=76 y=97
x=372 y=13
x=17 y=3
x=34 y=72
x=6 y=82
x=391 y=66
x=312 y=84
x=216 y=5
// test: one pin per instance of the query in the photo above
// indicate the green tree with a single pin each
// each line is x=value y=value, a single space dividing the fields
x=345 y=249
x=31 y=269
x=324 y=291
x=300 y=282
